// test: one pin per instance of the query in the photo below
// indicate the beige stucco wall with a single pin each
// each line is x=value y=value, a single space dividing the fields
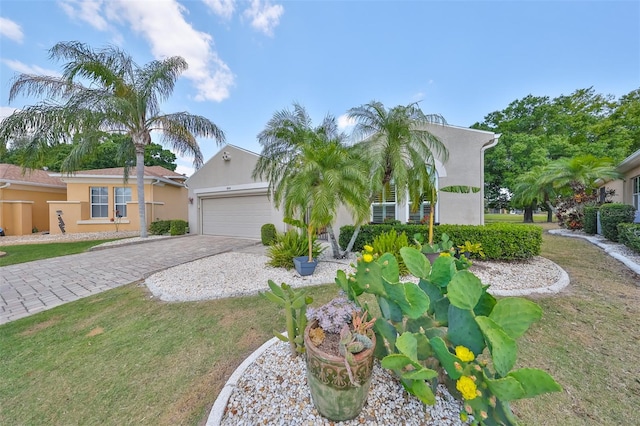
x=25 y=207
x=223 y=178
x=162 y=201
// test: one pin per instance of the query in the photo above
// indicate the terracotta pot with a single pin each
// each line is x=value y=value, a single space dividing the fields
x=333 y=394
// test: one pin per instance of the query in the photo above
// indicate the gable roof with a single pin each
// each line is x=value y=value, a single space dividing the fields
x=10 y=173
x=153 y=172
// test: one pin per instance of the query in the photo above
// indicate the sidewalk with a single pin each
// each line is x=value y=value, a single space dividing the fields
x=32 y=287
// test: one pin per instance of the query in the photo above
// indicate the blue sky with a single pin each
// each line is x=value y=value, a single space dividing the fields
x=249 y=59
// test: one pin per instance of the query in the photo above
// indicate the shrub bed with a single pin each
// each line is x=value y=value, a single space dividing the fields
x=178 y=227
x=629 y=235
x=590 y=220
x=613 y=214
x=160 y=227
x=268 y=234
x=500 y=241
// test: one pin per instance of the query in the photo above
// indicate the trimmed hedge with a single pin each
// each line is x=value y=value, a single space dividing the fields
x=160 y=227
x=590 y=220
x=500 y=241
x=268 y=234
x=178 y=227
x=629 y=235
x=613 y=214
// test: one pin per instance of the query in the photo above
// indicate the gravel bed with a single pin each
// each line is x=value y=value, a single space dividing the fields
x=56 y=238
x=274 y=391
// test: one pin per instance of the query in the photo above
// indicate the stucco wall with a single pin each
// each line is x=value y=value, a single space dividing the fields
x=25 y=207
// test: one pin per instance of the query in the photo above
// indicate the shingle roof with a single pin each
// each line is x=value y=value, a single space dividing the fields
x=13 y=173
x=157 y=171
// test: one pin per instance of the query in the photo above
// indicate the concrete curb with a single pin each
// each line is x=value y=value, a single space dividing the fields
x=219 y=406
x=605 y=245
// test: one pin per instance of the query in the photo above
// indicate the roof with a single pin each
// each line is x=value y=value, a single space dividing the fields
x=10 y=173
x=157 y=172
x=630 y=162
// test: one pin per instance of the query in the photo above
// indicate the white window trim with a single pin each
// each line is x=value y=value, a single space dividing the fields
x=91 y=203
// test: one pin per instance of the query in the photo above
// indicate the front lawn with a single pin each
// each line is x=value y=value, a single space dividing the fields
x=124 y=357
x=28 y=252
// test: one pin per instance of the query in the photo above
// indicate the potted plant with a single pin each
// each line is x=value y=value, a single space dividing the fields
x=339 y=345
x=305 y=265
x=433 y=250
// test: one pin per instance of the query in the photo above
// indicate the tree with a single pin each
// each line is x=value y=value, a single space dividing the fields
x=105 y=91
x=581 y=173
x=532 y=189
x=399 y=149
x=311 y=172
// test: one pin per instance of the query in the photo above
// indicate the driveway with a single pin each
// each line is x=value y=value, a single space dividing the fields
x=32 y=287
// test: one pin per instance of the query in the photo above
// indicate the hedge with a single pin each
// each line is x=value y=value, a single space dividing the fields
x=500 y=241
x=590 y=220
x=160 y=227
x=629 y=235
x=613 y=214
x=268 y=234
x=178 y=227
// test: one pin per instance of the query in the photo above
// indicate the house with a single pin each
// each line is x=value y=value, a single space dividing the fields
x=628 y=188
x=23 y=199
x=100 y=200
x=225 y=200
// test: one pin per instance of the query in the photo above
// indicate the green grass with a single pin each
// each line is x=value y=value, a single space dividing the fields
x=512 y=218
x=122 y=357
x=28 y=252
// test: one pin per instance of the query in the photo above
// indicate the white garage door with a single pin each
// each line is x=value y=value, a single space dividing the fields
x=235 y=216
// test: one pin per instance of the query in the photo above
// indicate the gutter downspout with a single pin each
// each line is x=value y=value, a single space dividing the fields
x=493 y=142
x=152 y=197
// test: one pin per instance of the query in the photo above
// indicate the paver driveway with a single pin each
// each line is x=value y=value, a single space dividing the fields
x=32 y=287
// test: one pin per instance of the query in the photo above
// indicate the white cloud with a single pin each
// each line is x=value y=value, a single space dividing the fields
x=210 y=75
x=6 y=111
x=344 y=122
x=222 y=8
x=264 y=16
x=10 y=29
x=86 y=10
x=23 y=68
x=184 y=170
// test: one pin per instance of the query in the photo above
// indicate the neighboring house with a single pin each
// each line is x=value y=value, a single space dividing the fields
x=24 y=197
x=628 y=188
x=225 y=200
x=100 y=200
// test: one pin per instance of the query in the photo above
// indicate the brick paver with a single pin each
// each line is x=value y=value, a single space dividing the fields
x=32 y=287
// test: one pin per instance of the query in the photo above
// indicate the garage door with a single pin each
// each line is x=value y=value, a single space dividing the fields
x=235 y=216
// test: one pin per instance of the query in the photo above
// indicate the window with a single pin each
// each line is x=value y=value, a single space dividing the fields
x=635 y=190
x=99 y=201
x=121 y=196
x=421 y=213
x=384 y=205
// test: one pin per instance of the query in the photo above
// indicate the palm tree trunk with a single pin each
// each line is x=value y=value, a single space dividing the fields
x=310 y=237
x=140 y=187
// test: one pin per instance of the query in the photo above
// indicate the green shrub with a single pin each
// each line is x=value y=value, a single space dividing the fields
x=500 y=241
x=289 y=245
x=268 y=234
x=613 y=214
x=590 y=219
x=178 y=227
x=392 y=242
x=160 y=227
x=629 y=235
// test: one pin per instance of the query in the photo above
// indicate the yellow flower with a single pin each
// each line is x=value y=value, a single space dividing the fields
x=467 y=387
x=464 y=354
x=368 y=249
x=367 y=257
x=445 y=254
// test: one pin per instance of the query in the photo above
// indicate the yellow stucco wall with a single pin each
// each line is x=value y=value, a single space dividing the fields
x=162 y=201
x=25 y=207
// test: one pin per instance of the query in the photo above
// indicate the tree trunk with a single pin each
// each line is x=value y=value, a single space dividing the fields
x=310 y=237
x=528 y=214
x=140 y=188
x=549 y=214
x=337 y=254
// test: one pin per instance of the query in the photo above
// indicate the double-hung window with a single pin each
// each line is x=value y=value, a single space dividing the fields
x=121 y=195
x=422 y=212
x=384 y=205
x=99 y=202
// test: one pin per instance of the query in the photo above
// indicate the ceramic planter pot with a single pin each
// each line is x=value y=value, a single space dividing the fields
x=333 y=394
x=303 y=266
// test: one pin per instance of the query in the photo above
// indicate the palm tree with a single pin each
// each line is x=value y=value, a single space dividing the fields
x=311 y=172
x=533 y=188
x=399 y=149
x=105 y=91
x=581 y=173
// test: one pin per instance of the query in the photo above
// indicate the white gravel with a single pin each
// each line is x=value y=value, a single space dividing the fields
x=276 y=373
